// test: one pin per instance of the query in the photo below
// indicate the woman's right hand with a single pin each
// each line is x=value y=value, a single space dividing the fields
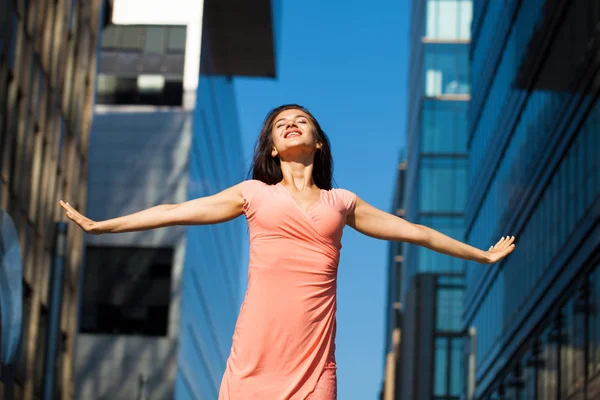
x=85 y=223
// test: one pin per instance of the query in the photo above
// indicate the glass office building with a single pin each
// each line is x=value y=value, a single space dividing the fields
x=534 y=146
x=434 y=195
x=48 y=52
x=437 y=126
x=159 y=306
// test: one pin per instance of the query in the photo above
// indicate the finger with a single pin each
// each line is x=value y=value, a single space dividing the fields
x=509 y=241
x=509 y=250
x=73 y=210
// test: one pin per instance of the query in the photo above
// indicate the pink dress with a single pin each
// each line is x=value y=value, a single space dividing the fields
x=284 y=340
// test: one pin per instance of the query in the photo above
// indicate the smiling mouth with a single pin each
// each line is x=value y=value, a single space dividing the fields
x=292 y=134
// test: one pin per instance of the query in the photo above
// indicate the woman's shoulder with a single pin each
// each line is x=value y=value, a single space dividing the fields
x=252 y=186
x=253 y=183
x=346 y=197
x=342 y=192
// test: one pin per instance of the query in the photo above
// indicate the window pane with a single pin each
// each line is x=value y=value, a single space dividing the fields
x=443 y=185
x=466 y=15
x=448 y=19
x=127 y=290
x=456 y=367
x=440 y=367
x=131 y=38
x=449 y=309
x=444 y=127
x=155 y=39
x=176 y=39
x=446 y=69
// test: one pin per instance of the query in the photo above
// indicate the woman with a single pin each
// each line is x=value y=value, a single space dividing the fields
x=283 y=344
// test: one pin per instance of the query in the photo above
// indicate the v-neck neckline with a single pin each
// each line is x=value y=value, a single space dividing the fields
x=313 y=204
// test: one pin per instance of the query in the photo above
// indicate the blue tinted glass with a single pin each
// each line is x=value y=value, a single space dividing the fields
x=449 y=19
x=446 y=69
x=456 y=367
x=444 y=127
x=440 y=367
x=211 y=290
x=443 y=185
x=449 y=309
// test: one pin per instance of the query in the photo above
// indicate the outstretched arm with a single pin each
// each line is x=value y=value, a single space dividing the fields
x=221 y=207
x=378 y=224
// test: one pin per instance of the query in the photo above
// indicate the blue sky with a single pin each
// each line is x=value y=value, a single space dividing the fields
x=346 y=61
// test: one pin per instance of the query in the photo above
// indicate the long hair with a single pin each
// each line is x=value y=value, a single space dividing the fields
x=267 y=168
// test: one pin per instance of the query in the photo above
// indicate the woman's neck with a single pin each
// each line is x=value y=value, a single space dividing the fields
x=297 y=174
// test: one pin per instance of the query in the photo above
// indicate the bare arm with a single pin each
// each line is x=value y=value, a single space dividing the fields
x=221 y=207
x=378 y=224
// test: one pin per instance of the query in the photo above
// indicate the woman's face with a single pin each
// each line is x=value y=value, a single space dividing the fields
x=293 y=130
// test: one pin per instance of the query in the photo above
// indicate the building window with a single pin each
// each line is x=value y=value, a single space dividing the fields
x=440 y=378
x=443 y=185
x=444 y=127
x=156 y=39
x=449 y=19
x=448 y=368
x=446 y=69
x=126 y=291
x=155 y=90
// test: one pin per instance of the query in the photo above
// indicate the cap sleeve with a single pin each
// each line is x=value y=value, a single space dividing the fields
x=250 y=189
x=348 y=200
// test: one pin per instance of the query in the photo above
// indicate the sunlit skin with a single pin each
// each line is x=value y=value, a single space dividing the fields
x=295 y=143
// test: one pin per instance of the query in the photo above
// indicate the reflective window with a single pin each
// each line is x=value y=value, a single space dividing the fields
x=444 y=127
x=440 y=377
x=443 y=185
x=558 y=212
x=158 y=39
x=155 y=39
x=127 y=291
x=143 y=89
x=176 y=39
x=449 y=19
x=449 y=308
x=446 y=69
x=456 y=367
x=487 y=40
x=448 y=372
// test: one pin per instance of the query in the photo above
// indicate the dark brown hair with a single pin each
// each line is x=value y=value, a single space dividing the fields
x=267 y=168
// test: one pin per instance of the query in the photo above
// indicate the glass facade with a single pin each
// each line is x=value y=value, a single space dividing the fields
x=210 y=292
x=435 y=191
x=448 y=342
x=47 y=68
x=534 y=146
x=437 y=128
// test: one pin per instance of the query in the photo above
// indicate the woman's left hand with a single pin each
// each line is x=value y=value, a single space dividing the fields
x=504 y=247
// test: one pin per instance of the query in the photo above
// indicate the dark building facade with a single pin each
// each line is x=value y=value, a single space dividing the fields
x=534 y=150
x=47 y=82
x=432 y=343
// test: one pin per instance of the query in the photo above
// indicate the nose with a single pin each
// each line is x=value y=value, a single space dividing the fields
x=290 y=123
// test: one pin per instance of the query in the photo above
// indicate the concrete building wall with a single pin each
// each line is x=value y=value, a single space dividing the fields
x=138 y=160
